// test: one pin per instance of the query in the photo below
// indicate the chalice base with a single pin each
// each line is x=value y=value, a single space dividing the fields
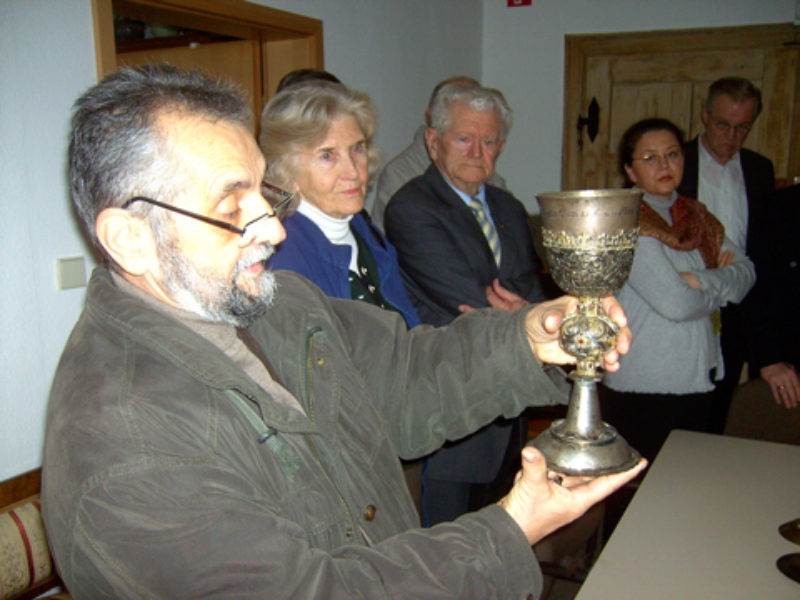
x=582 y=444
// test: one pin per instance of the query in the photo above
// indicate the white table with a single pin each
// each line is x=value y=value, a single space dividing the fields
x=704 y=524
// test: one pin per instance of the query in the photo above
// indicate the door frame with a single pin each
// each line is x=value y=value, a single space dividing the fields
x=279 y=33
x=580 y=47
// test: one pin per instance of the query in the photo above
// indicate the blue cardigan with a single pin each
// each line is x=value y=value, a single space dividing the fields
x=308 y=252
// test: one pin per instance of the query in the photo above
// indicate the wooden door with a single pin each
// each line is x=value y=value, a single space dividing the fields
x=667 y=74
x=251 y=44
x=238 y=61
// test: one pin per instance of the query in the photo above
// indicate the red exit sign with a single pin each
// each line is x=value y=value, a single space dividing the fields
x=519 y=2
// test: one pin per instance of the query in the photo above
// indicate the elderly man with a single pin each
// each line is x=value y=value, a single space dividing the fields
x=413 y=161
x=463 y=243
x=734 y=183
x=216 y=430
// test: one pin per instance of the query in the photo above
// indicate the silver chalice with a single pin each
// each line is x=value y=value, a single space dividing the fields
x=589 y=238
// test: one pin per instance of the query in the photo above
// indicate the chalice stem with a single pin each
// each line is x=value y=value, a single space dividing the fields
x=589 y=237
x=583 y=415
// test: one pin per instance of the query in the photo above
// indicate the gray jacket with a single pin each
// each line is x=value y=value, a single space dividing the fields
x=674 y=348
x=168 y=473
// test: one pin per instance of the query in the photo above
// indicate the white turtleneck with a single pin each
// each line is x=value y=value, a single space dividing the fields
x=336 y=230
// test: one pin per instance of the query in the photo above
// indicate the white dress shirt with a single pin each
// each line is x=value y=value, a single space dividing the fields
x=721 y=188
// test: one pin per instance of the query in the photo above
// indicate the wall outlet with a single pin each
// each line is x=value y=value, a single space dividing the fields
x=71 y=272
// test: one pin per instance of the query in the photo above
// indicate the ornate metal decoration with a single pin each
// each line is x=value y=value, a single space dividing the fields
x=589 y=238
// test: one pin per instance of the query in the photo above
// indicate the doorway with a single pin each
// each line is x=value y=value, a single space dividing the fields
x=249 y=44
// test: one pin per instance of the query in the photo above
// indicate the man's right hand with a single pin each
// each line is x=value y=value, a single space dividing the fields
x=539 y=505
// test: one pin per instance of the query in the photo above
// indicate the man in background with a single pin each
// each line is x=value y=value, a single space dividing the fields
x=303 y=75
x=734 y=183
x=413 y=161
x=463 y=243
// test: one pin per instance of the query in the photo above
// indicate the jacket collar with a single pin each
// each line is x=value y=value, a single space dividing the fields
x=177 y=343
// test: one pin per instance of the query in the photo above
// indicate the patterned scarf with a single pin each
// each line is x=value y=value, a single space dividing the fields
x=694 y=227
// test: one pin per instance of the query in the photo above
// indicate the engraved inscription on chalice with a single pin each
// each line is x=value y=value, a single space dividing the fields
x=589 y=266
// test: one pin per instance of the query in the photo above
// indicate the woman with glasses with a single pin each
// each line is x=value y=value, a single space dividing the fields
x=317 y=139
x=684 y=270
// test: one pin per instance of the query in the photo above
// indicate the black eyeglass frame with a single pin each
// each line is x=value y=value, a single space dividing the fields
x=287 y=198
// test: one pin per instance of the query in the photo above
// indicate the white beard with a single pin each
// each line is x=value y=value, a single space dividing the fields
x=215 y=299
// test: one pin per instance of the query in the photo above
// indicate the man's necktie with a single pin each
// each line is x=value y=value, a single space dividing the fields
x=487 y=228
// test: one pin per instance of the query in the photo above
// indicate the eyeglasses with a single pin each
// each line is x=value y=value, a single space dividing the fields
x=652 y=159
x=725 y=128
x=277 y=198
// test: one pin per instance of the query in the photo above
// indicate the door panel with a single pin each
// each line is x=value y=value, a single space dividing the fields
x=235 y=61
x=283 y=56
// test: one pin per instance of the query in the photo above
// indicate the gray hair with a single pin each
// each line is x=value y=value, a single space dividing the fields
x=301 y=116
x=116 y=150
x=737 y=89
x=459 y=79
x=479 y=99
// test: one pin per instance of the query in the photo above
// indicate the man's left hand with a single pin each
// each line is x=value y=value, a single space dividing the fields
x=543 y=321
x=539 y=505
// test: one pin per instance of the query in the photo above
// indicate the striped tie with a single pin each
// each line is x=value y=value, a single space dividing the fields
x=487 y=228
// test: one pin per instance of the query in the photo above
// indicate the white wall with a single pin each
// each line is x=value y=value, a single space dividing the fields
x=523 y=55
x=387 y=48
x=392 y=50
x=46 y=61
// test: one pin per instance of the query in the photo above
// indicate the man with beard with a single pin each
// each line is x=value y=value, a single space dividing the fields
x=215 y=430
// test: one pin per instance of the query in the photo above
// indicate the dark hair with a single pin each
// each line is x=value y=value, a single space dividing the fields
x=303 y=75
x=738 y=89
x=634 y=133
x=116 y=151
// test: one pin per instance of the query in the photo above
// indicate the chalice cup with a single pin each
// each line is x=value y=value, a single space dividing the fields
x=589 y=238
